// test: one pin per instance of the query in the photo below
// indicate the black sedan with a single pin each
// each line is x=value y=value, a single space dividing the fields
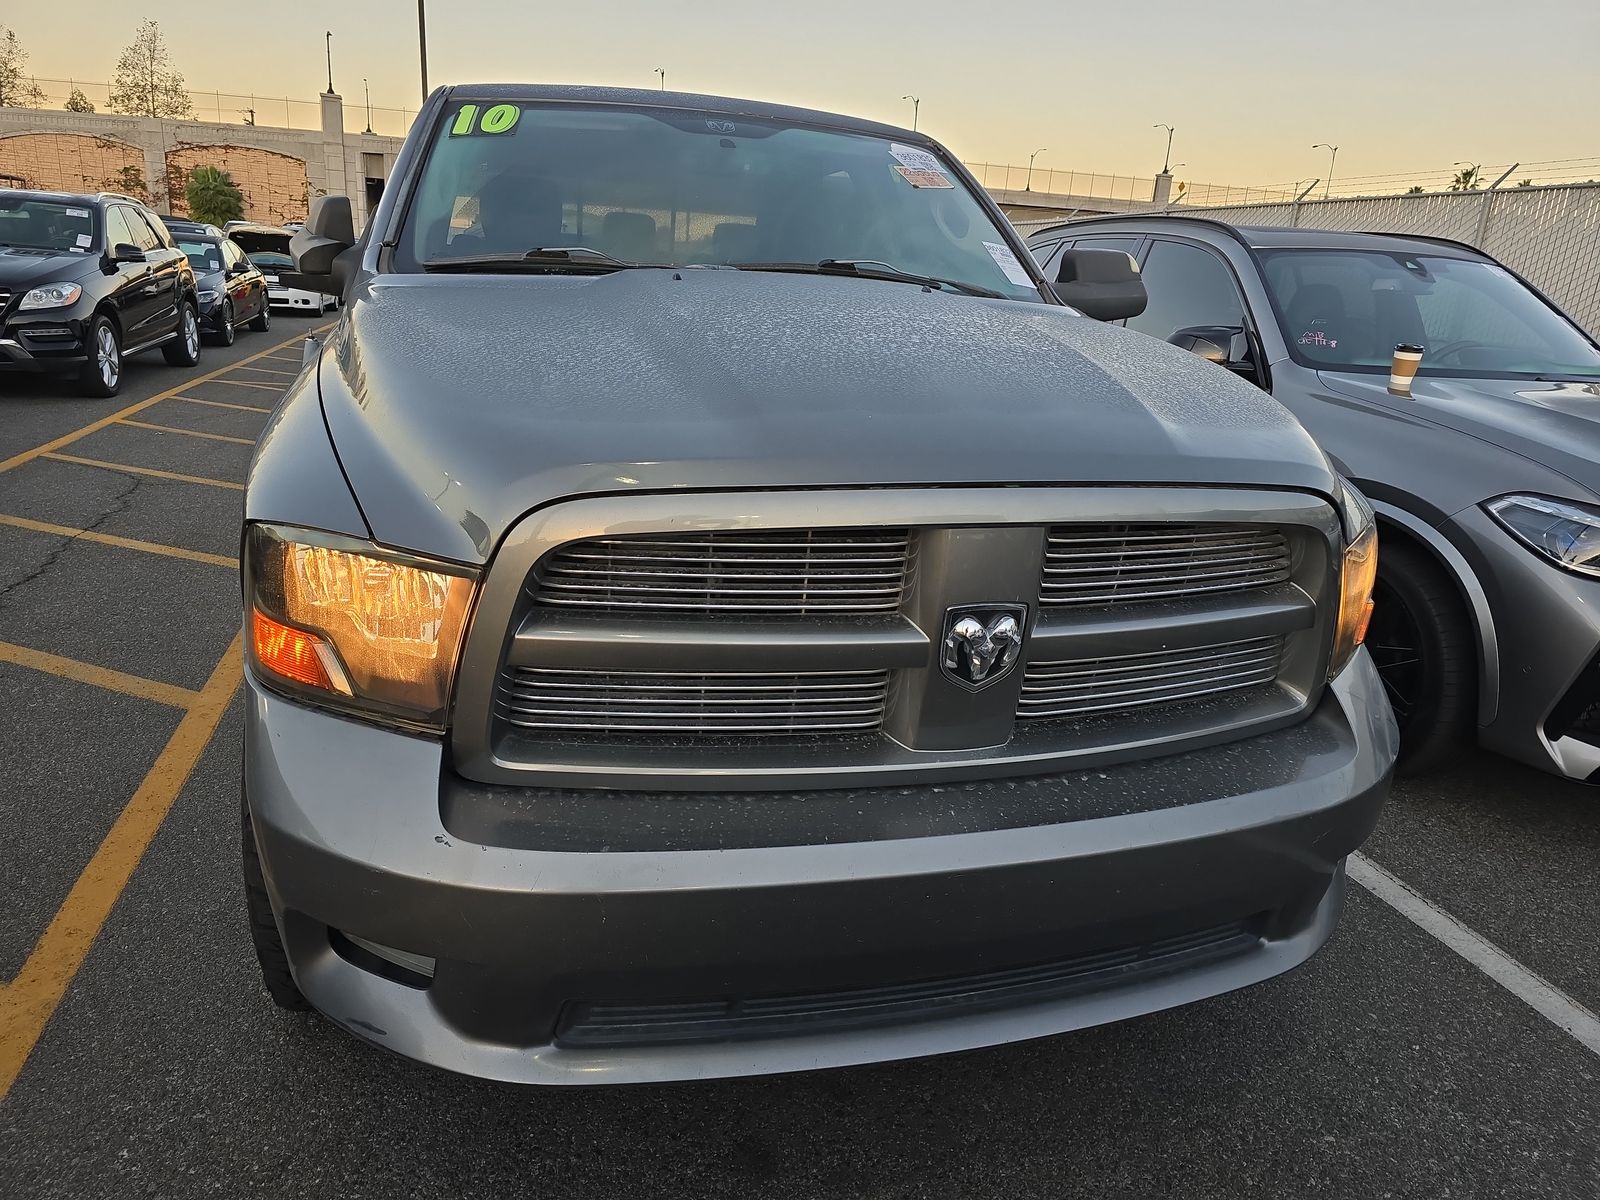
x=232 y=289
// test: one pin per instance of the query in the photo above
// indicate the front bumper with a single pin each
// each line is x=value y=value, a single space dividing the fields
x=45 y=340
x=360 y=832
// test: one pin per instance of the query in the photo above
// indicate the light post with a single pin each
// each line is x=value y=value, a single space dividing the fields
x=1166 y=163
x=367 y=91
x=916 y=106
x=422 y=42
x=328 y=45
x=1333 y=157
x=662 y=71
x=1028 y=186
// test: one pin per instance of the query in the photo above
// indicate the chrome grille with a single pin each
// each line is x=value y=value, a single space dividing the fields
x=1091 y=686
x=669 y=702
x=1125 y=564
x=762 y=572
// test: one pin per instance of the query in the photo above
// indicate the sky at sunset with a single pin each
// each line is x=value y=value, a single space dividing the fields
x=1406 y=85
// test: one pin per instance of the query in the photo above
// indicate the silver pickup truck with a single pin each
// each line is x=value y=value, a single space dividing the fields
x=714 y=608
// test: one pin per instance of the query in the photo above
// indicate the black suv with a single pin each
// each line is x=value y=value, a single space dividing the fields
x=86 y=280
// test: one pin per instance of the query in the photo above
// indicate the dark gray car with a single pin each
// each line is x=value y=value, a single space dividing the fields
x=712 y=610
x=1485 y=477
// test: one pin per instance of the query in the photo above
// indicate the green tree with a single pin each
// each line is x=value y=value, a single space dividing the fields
x=1524 y=183
x=213 y=196
x=1414 y=190
x=16 y=89
x=78 y=102
x=1466 y=180
x=145 y=83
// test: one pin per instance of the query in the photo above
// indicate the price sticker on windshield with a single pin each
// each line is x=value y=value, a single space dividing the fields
x=473 y=120
x=923 y=179
x=1008 y=264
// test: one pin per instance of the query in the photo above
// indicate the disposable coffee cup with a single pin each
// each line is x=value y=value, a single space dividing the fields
x=1403 y=368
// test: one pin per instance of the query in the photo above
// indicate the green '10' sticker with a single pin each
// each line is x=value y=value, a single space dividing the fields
x=473 y=120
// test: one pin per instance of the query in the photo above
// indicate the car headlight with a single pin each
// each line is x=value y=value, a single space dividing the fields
x=208 y=295
x=51 y=295
x=1357 y=575
x=1565 y=532
x=343 y=623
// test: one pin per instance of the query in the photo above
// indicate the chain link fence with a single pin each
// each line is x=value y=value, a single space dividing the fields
x=1548 y=235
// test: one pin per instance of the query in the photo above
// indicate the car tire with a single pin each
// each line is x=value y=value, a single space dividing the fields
x=225 y=335
x=262 y=321
x=275 y=974
x=1425 y=652
x=101 y=374
x=184 y=350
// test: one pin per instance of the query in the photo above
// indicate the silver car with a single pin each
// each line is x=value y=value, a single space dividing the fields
x=713 y=609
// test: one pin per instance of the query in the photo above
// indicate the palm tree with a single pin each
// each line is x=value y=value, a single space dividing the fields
x=1466 y=180
x=213 y=196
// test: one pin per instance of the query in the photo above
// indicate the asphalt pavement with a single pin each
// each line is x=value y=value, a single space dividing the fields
x=139 y=1057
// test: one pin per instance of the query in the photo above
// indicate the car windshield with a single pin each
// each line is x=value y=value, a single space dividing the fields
x=1346 y=310
x=613 y=187
x=272 y=260
x=47 y=224
x=204 y=256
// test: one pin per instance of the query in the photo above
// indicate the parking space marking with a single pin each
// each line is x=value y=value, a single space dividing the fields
x=100 y=677
x=31 y=999
x=122 y=543
x=195 y=433
x=269 y=387
x=66 y=439
x=124 y=467
x=255 y=408
x=1538 y=993
x=270 y=371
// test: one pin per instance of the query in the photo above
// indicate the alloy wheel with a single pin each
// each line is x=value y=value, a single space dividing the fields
x=108 y=357
x=191 y=333
x=1395 y=642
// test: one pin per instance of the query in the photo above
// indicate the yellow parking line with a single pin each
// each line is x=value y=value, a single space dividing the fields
x=111 y=466
x=66 y=439
x=266 y=387
x=210 y=437
x=270 y=371
x=100 y=677
x=255 y=408
x=31 y=999
x=122 y=543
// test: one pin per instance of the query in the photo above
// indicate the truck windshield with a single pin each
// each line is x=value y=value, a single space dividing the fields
x=1346 y=310
x=680 y=188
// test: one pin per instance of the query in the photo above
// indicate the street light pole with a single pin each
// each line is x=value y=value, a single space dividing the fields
x=1333 y=157
x=916 y=106
x=328 y=45
x=662 y=71
x=422 y=42
x=367 y=91
x=1028 y=186
x=1166 y=163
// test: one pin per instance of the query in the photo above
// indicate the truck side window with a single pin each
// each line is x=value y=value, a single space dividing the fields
x=1188 y=286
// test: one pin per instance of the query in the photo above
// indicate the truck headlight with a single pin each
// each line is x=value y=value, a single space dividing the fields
x=1566 y=533
x=349 y=625
x=50 y=295
x=1357 y=574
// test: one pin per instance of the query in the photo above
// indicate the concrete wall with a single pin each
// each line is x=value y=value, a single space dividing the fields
x=279 y=170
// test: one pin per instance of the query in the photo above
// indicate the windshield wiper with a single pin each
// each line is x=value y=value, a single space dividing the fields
x=585 y=259
x=868 y=268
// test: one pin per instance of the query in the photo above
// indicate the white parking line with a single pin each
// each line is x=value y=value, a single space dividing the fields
x=1549 y=1001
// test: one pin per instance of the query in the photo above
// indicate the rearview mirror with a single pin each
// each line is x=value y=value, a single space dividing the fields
x=1103 y=284
x=319 y=248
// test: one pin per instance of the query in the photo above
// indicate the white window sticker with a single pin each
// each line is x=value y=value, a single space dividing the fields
x=84 y=240
x=924 y=179
x=1008 y=264
x=77 y=212
x=917 y=160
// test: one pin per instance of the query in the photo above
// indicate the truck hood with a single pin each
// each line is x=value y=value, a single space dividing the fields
x=458 y=403
x=1553 y=423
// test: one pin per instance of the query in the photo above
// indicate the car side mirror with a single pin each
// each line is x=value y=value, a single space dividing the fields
x=127 y=252
x=319 y=248
x=1103 y=284
x=1226 y=345
x=238 y=268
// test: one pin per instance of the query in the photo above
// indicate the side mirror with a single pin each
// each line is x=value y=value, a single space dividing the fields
x=127 y=252
x=329 y=232
x=1226 y=345
x=238 y=268
x=1103 y=284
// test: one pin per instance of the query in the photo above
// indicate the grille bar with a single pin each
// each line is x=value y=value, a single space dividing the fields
x=1127 y=564
x=1085 y=687
x=663 y=702
x=770 y=572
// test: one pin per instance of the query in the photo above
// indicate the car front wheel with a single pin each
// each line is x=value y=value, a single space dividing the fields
x=102 y=370
x=262 y=321
x=1426 y=656
x=184 y=350
x=225 y=333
